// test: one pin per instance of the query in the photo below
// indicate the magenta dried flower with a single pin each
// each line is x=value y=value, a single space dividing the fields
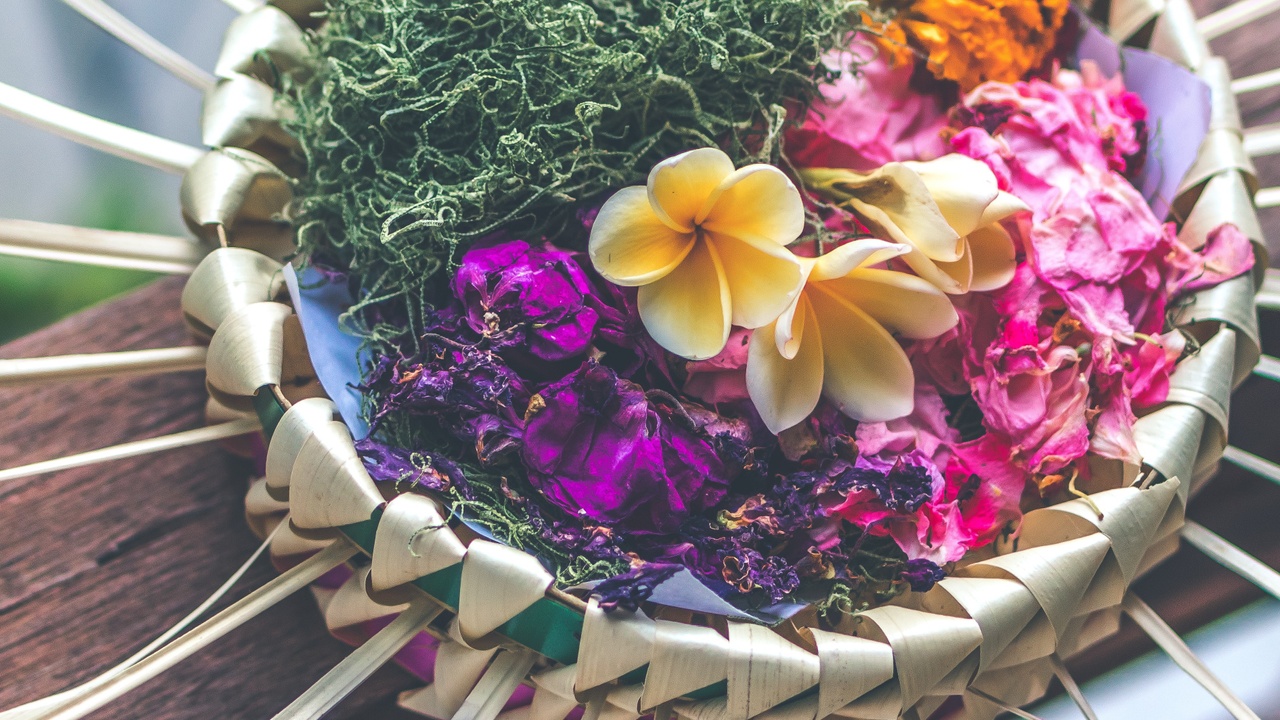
x=597 y=448
x=527 y=299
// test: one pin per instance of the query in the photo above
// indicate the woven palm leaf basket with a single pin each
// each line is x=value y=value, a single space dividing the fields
x=800 y=466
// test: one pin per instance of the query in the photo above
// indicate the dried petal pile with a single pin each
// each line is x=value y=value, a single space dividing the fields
x=639 y=339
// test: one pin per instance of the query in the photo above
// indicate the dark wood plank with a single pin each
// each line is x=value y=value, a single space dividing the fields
x=98 y=561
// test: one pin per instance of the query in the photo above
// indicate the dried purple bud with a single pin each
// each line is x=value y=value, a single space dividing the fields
x=922 y=574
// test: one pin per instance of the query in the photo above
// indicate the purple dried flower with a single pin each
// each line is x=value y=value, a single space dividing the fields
x=452 y=377
x=911 y=483
x=922 y=574
x=901 y=485
x=596 y=447
x=495 y=437
x=527 y=300
x=879 y=489
x=392 y=464
x=747 y=570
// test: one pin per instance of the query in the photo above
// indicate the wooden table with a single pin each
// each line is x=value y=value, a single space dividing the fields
x=96 y=562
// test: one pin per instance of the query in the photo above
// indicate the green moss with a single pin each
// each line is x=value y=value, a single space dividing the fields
x=432 y=124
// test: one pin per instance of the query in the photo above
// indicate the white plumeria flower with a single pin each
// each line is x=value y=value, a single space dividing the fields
x=706 y=245
x=835 y=340
x=947 y=211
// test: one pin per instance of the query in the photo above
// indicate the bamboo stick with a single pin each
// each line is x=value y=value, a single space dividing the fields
x=104 y=248
x=1233 y=558
x=1072 y=687
x=106 y=136
x=133 y=449
x=1268 y=367
x=249 y=607
x=1184 y=657
x=355 y=668
x=1253 y=83
x=1235 y=16
x=1019 y=712
x=1262 y=140
x=1254 y=464
x=595 y=704
x=33 y=710
x=28 y=371
x=1268 y=297
x=1267 y=197
x=496 y=685
x=107 y=18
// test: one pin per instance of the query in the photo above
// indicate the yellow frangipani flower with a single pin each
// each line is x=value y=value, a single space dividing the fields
x=835 y=340
x=706 y=245
x=948 y=211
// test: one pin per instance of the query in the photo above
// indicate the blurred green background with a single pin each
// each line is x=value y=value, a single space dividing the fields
x=37 y=293
x=48 y=49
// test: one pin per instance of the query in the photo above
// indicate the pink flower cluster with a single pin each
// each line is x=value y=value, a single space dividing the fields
x=870 y=118
x=1060 y=359
x=1057 y=361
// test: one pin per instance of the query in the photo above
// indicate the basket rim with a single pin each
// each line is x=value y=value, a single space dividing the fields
x=491 y=590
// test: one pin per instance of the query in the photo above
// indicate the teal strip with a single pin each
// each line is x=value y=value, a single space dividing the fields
x=363 y=533
x=549 y=627
x=269 y=410
x=445 y=586
x=713 y=690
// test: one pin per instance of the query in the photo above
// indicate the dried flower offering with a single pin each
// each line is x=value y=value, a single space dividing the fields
x=704 y=360
x=729 y=297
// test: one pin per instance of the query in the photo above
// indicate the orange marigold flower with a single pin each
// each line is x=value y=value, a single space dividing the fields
x=972 y=41
x=891 y=39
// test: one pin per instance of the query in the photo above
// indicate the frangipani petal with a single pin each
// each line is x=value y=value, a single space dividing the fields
x=763 y=277
x=895 y=203
x=1003 y=206
x=756 y=201
x=962 y=188
x=687 y=311
x=629 y=245
x=679 y=186
x=858 y=253
x=953 y=278
x=788 y=332
x=783 y=390
x=866 y=373
x=902 y=303
x=994 y=258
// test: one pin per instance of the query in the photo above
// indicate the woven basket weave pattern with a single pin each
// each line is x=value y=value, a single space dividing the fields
x=997 y=626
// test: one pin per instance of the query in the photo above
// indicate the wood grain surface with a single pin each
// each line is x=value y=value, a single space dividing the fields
x=97 y=561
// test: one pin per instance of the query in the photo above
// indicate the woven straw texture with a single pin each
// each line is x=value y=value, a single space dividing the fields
x=993 y=634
